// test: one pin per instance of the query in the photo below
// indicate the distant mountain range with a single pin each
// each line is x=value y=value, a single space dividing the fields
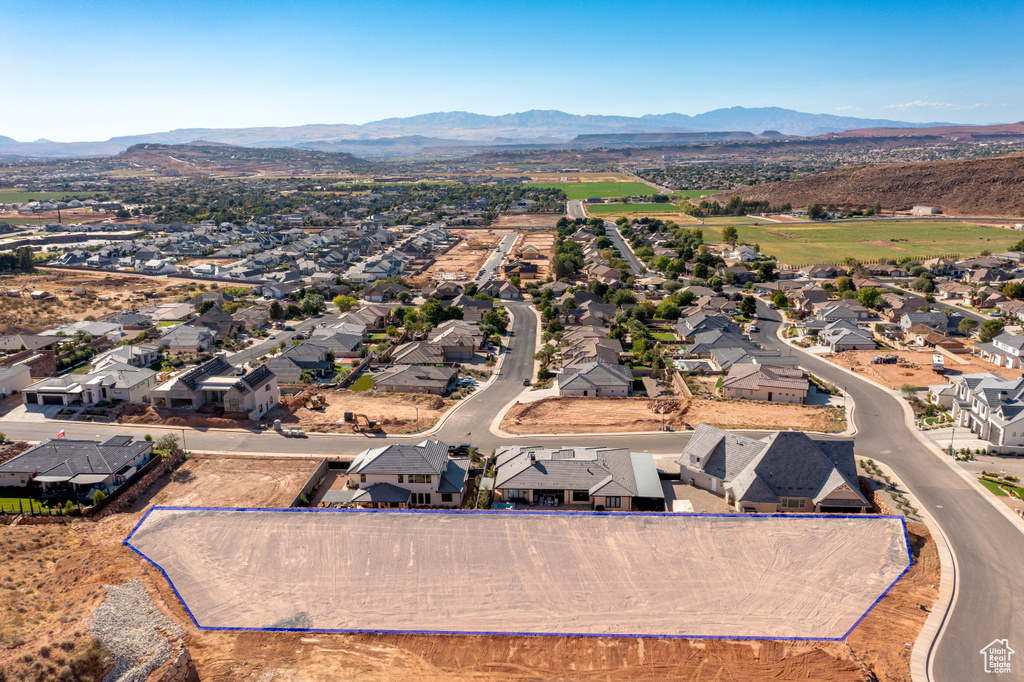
x=461 y=129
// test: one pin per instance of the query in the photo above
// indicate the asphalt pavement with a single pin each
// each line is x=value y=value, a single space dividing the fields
x=989 y=547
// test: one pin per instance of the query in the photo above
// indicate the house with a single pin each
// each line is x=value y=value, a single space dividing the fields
x=138 y=355
x=402 y=476
x=308 y=356
x=822 y=271
x=382 y=292
x=341 y=343
x=925 y=210
x=14 y=378
x=589 y=314
x=371 y=317
x=885 y=270
x=595 y=379
x=805 y=299
x=458 y=340
x=415 y=379
x=927 y=337
x=1005 y=350
x=26 y=342
x=843 y=335
x=760 y=382
x=254 y=317
x=787 y=471
x=216 y=320
x=418 y=353
x=255 y=393
x=116 y=382
x=184 y=341
x=473 y=309
x=169 y=312
x=76 y=468
x=590 y=349
x=613 y=479
x=501 y=290
x=991 y=406
x=933 y=320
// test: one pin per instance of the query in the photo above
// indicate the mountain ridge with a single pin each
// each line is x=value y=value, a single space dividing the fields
x=462 y=127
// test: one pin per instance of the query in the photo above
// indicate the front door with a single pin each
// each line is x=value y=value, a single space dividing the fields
x=769 y=396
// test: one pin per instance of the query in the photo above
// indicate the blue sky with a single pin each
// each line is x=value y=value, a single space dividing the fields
x=90 y=70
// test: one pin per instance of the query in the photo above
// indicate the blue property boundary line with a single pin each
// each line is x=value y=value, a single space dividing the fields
x=304 y=510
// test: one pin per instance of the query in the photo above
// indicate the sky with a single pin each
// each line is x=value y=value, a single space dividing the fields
x=95 y=69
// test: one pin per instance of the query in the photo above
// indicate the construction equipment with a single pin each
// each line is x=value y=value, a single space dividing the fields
x=293 y=432
x=887 y=359
x=316 y=402
x=362 y=424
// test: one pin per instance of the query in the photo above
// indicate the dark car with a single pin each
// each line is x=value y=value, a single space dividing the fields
x=526 y=382
x=289 y=328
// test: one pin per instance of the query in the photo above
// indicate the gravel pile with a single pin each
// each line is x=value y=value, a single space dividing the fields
x=134 y=630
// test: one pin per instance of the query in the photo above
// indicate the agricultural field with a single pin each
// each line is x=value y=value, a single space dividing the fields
x=868 y=241
x=17 y=196
x=584 y=190
x=693 y=193
x=623 y=209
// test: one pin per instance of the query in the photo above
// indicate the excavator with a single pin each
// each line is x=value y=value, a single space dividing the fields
x=363 y=424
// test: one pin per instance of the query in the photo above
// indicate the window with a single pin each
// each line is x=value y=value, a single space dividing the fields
x=267 y=387
x=515 y=494
x=419 y=478
x=581 y=496
x=401 y=478
x=446 y=497
x=420 y=498
x=789 y=503
x=362 y=478
x=612 y=502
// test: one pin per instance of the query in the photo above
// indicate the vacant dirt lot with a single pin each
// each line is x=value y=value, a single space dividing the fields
x=57 y=573
x=610 y=415
x=466 y=257
x=105 y=294
x=527 y=220
x=397 y=413
x=225 y=481
x=918 y=369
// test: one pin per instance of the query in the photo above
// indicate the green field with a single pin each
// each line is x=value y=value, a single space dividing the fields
x=994 y=489
x=16 y=196
x=633 y=208
x=585 y=190
x=663 y=336
x=869 y=241
x=693 y=193
x=363 y=383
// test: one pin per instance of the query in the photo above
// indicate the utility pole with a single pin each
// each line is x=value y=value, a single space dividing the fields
x=183 y=449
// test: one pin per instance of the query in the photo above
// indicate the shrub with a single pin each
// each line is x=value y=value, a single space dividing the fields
x=98 y=497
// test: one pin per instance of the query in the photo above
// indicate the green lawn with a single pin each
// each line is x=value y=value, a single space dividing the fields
x=167 y=323
x=10 y=496
x=585 y=190
x=363 y=383
x=663 y=336
x=379 y=337
x=868 y=241
x=633 y=208
x=994 y=489
x=693 y=193
x=17 y=196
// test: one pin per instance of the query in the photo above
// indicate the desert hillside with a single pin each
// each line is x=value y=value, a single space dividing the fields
x=983 y=187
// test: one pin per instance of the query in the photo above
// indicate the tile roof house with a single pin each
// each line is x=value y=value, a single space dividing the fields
x=787 y=471
x=595 y=379
x=1005 y=350
x=760 y=382
x=421 y=475
x=116 y=382
x=74 y=468
x=418 y=353
x=187 y=341
x=415 y=379
x=458 y=339
x=991 y=406
x=307 y=356
x=582 y=477
x=254 y=393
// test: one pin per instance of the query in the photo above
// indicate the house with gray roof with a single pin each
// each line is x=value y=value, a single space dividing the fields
x=595 y=379
x=1005 y=350
x=991 y=406
x=415 y=379
x=613 y=479
x=787 y=471
x=308 y=356
x=761 y=382
x=75 y=468
x=254 y=393
x=186 y=341
x=402 y=476
x=115 y=382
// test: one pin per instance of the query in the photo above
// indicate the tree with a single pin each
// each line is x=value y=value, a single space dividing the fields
x=166 y=443
x=98 y=496
x=844 y=283
x=989 y=330
x=292 y=311
x=748 y=306
x=766 y=271
x=968 y=325
x=276 y=311
x=780 y=300
x=729 y=235
x=312 y=303
x=307 y=377
x=1013 y=290
x=700 y=271
x=544 y=354
x=869 y=297
x=816 y=212
x=685 y=298
x=26 y=261
x=908 y=391
x=668 y=310
x=345 y=303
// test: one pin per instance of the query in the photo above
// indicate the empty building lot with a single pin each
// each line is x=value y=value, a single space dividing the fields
x=527 y=573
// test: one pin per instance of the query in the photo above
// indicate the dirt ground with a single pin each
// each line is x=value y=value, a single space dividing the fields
x=466 y=257
x=119 y=292
x=919 y=372
x=545 y=241
x=45 y=603
x=610 y=415
x=206 y=417
x=527 y=220
x=224 y=481
x=397 y=413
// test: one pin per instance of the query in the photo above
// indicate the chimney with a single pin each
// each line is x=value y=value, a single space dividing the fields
x=1003 y=395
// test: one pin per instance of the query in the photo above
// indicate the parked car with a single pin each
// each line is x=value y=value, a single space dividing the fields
x=526 y=382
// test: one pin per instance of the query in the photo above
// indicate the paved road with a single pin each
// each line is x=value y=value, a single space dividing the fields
x=496 y=258
x=574 y=209
x=989 y=547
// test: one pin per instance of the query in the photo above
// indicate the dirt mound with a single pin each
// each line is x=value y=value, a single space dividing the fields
x=982 y=187
x=147 y=414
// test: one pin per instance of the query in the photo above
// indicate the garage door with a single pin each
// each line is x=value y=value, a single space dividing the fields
x=53 y=400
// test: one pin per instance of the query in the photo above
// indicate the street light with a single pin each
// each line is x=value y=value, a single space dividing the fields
x=183 y=448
